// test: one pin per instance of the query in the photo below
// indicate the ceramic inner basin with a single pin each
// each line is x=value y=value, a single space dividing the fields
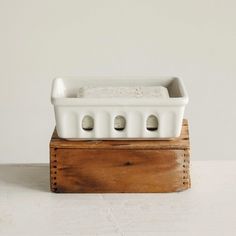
x=98 y=87
x=123 y=92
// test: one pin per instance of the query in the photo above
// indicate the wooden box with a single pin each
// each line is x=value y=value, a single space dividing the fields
x=120 y=166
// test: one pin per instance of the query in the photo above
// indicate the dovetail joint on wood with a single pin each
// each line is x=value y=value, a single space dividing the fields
x=54 y=170
x=186 y=179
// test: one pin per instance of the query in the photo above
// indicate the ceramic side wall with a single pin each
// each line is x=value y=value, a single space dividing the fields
x=69 y=121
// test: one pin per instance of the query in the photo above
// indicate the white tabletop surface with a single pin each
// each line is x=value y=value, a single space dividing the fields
x=27 y=207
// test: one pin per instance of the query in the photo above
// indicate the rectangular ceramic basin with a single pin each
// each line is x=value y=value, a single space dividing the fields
x=119 y=107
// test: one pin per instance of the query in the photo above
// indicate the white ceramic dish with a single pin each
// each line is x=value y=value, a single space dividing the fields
x=113 y=116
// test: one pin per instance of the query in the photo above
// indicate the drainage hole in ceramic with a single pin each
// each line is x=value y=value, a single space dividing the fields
x=87 y=123
x=152 y=123
x=119 y=123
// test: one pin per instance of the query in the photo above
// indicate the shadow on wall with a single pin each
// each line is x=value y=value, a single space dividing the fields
x=27 y=176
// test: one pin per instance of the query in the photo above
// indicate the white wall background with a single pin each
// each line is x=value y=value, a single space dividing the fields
x=39 y=40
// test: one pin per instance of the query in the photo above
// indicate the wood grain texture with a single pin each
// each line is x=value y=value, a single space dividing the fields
x=120 y=166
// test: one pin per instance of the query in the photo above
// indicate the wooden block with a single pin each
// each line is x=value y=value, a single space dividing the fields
x=120 y=166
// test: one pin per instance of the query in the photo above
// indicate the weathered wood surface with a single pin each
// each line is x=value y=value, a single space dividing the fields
x=120 y=166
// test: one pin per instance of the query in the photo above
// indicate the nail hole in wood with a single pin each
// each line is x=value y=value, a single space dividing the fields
x=128 y=163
